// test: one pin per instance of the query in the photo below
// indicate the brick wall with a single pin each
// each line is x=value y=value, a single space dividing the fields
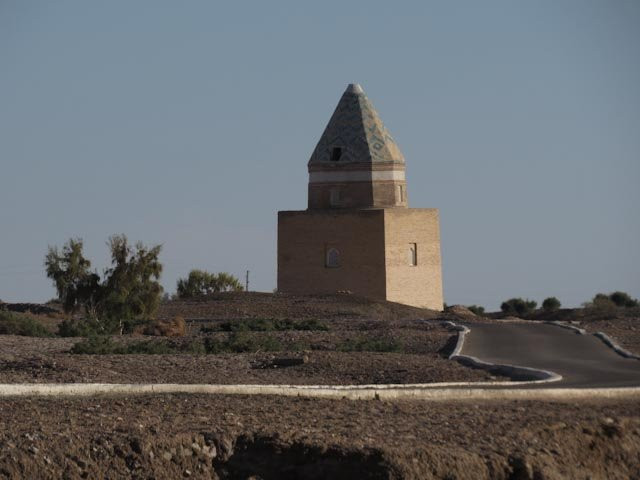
x=374 y=254
x=303 y=238
x=419 y=285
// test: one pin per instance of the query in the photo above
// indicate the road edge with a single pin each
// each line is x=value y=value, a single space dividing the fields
x=615 y=346
x=512 y=371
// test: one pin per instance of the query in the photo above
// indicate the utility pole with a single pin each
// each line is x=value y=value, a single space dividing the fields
x=246 y=282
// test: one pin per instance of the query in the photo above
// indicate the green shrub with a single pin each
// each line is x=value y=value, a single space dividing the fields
x=200 y=283
x=370 y=345
x=76 y=328
x=268 y=325
x=477 y=309
x=550 y=304
x=518 y=306
x=312 y=325
x=20 y=324
x=104 y=345
x=609 y=303
x=251 y=325
x=95 y=345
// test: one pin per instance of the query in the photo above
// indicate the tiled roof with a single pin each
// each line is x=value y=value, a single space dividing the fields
x=356 y=129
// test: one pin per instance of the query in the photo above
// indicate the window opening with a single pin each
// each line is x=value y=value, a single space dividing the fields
x=332 y=258
x=413 y=254
x=336 y=153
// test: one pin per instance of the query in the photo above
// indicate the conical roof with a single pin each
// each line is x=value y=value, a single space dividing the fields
x=356 y=130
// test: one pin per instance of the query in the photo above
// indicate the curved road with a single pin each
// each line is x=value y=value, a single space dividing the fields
x=582 y=360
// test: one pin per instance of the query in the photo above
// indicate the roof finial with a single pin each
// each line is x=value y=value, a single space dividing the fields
x=355 y=88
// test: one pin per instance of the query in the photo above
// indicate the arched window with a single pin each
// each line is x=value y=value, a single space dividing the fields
x=332 y=259
x=413 y=254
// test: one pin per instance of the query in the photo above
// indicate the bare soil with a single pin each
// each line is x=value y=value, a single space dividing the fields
x=268 y=437
x=38 y=360
x=422 y=357
x=180 y=436
x=234 y=305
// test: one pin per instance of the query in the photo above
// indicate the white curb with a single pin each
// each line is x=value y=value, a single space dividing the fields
x=581 y=331
x=347 y=392
x=618 y=349
x=608 y=341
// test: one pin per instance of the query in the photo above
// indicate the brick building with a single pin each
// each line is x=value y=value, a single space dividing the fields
x=358 y=232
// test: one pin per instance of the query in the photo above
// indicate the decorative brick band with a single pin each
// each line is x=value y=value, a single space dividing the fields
x=356 y=176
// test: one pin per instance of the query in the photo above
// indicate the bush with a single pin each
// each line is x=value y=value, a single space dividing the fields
x=476 y=309
x=601 y=303
x=200 y=283
x=623 y=299
x=268 y=325
x=85 y=327
x=370 y=345
x=550 y=304
x=76 y=328
x=104 y=345
x=23 y=325
x=95 y=345
x=518 y=306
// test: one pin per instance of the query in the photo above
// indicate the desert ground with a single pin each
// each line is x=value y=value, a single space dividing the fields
x=337 y=339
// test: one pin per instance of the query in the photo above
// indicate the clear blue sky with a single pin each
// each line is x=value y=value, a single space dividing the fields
x=190 y=124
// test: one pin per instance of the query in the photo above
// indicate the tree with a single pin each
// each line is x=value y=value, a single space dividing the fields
x=71 y=274
x=200 y=283
x=129 y=291
x=518 y=306
x=550 y=304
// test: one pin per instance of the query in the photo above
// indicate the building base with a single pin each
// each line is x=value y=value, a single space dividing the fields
x=388 y=254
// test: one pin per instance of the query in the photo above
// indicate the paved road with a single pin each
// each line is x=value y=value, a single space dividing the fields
x=582 y=360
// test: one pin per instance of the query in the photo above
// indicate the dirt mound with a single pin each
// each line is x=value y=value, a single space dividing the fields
x=176 y=327
x=460 y=310
x=236 y=305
